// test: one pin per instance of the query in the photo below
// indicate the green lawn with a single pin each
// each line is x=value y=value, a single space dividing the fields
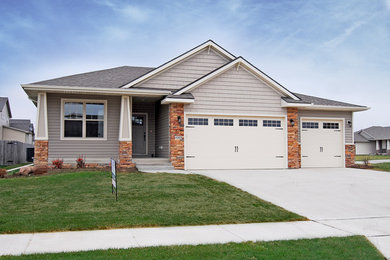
x=7 y=167
x=83 y=200
x=371 y=157
x=382 y=166
x=356 y=247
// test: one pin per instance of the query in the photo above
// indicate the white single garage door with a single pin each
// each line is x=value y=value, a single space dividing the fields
x=216 y=142
x=322 y=143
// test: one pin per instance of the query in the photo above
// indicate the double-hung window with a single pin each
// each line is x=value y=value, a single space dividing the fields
x=84 y=119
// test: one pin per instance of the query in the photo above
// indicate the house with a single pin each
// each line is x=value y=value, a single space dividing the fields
x=205 y=109
x=373 y=140
x=20 y=130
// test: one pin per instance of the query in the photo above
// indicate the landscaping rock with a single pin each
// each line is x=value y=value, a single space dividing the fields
x=26 y=170
x=40 y=170
x=3 y=172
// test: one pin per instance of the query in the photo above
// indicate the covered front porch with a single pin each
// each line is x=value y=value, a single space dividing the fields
x=150 y=128
x=151 y=132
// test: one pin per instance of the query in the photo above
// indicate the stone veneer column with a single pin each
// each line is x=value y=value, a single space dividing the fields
x=349 y=155
x=125 y=138
x=41 y=153
x=294 y=149
x=126 y=155
x=176 y=135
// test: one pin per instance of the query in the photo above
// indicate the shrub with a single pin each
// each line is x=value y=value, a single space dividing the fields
x=80 y=161
x=366 y=161
x=58 y=163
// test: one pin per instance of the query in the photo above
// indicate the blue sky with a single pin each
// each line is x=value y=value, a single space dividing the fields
x=333 y=49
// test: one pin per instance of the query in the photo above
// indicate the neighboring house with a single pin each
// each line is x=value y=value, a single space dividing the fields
x=205 y=109
x=373 y=140
x=20 y=130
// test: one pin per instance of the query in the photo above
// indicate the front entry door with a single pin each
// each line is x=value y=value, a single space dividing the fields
x=139 y=134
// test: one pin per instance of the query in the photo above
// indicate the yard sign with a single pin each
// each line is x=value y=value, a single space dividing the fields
x=114 y=181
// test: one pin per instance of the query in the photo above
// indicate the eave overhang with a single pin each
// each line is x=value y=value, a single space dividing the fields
x=311 y=106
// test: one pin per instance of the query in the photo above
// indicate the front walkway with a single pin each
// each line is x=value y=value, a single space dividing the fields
x=16 y=244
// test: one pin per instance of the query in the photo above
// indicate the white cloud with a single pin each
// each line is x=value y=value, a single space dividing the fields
x=130 y=11
x=134 y=12
x=387 y=3
x=336 y=41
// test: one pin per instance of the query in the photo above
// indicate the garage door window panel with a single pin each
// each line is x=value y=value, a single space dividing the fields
x=330 y=125
x=272 y=123
x=223 y=122
x=247 y=122
x=311 y=125
x=198 y=121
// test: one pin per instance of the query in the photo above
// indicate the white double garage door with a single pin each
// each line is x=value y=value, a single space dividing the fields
x=234 y=142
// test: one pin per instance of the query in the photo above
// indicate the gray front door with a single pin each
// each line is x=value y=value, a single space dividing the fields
x=139 y=134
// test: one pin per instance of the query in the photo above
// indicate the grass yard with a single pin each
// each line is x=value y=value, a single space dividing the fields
x=382 y=166
x=356 y=247
x=83 y=200
x=7 y=167
x=371 y=157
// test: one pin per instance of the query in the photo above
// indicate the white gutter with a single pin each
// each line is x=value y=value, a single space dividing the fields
x=177 y=100
x=84 y=90
x=323 y=107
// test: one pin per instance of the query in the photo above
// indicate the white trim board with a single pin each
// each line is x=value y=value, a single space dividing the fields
x=42 y=95
x=129 y=101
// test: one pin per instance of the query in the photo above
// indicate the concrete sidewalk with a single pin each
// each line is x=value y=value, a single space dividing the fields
x=374 y=161
x=17 y=244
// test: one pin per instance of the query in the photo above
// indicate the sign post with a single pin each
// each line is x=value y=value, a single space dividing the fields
x=114 y=180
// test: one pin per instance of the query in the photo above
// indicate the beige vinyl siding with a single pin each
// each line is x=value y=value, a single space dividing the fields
x=15 y=135
x=149 y=108
x=186 y=71
x=237 y=92
x=94 y=151
x=330 y=114
x=162 y=131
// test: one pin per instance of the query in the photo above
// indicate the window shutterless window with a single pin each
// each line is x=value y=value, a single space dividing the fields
x=247 y=122
x=330 y=126
x=84 y=119
x=272 y=123
x=198 y=121
x=309 y=124
x=223 y=122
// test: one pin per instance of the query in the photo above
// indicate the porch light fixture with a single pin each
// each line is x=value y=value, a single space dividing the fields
x=292 y=122
x=349 y=123
x=179 y=119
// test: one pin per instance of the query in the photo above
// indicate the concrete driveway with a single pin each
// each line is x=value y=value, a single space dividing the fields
x=353 y=200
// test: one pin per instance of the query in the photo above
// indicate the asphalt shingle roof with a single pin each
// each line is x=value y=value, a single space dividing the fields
x=306 y=99
x=373 y=133
x=23 y=124
x=3 y=101
x=109 y=78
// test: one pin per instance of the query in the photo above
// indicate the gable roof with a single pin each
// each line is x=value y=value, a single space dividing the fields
x=319 y=101
x=169 y=64
x=240 y=61
x=108 y=78
x=373 y=133
x=23 y=124
x=4 y=101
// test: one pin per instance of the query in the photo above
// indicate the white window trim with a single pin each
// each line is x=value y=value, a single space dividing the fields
x=62 y=137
